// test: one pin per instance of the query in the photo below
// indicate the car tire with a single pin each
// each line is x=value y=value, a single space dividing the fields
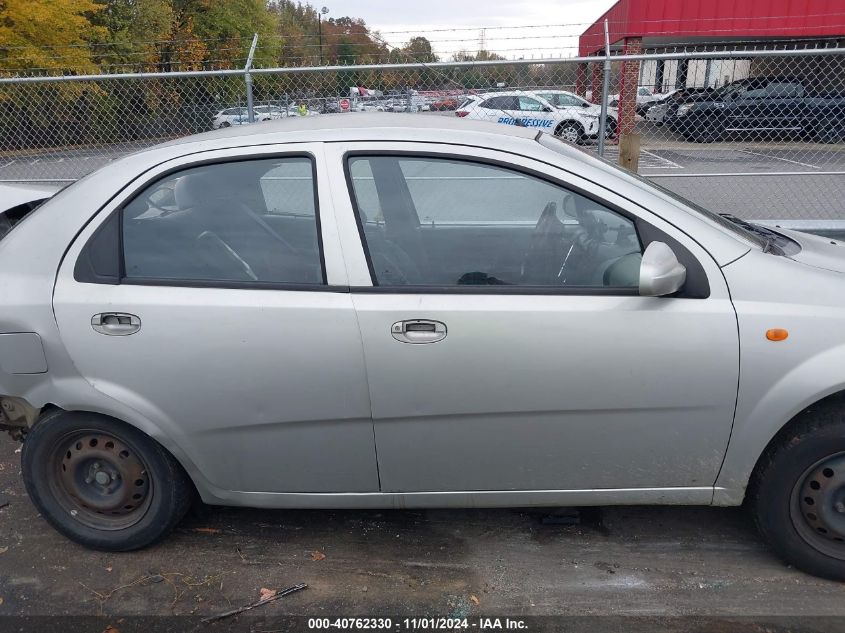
x=225 y=124
x=570 y=132
x=102 y=482
x=797 y=493
x=708 y=132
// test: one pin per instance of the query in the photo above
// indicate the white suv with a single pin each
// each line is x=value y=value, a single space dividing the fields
x=530 y=109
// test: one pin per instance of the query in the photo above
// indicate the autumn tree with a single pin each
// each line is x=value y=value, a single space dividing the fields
x=44 y=36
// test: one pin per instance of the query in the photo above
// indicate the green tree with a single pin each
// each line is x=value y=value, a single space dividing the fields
x=419 y=49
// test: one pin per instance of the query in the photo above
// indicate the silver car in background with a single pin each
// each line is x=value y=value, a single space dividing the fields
x=390 y=311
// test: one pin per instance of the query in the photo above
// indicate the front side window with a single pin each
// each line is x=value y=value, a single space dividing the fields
x=443 y=222
x=562 y=100
x=246 y=221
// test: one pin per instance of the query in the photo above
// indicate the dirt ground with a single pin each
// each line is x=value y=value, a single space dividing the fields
x=617 y=561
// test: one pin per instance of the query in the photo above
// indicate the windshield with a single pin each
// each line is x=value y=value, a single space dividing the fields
x=747 y=231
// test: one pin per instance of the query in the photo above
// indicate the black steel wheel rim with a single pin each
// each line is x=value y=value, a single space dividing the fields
x=100 y=480
x=817 y=506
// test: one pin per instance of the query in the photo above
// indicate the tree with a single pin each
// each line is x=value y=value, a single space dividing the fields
x=134 y=31
x=48 y=34
x=419 y=49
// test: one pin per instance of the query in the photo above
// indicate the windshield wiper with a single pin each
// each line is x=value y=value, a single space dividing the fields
x=769 y=237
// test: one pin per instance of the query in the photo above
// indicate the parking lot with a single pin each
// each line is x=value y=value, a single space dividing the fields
x=784 y=180
x=656 y=562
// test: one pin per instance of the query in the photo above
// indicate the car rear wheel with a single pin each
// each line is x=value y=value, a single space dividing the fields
x=570 y=132
x=103 y=483
x=798 y=494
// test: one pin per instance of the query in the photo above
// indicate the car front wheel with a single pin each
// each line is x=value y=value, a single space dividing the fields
x=101 y=482
x=798 y=494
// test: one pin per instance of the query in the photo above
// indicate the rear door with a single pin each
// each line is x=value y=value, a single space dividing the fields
x=507 y=347
x=211 y=298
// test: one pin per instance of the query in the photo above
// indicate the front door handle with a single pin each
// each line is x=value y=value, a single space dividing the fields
x=418 y=331
x=115 y=323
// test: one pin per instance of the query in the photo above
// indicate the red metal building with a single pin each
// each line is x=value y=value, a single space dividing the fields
x=660 y=22
x=669 y=25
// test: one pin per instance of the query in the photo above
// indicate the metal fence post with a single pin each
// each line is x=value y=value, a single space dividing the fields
x=248 y=80
x=605 y=89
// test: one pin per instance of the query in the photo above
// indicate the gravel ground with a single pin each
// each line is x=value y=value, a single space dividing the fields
x=622 y=561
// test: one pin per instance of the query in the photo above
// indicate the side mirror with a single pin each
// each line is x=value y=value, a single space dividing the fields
x=660 y=271
x=547 y=109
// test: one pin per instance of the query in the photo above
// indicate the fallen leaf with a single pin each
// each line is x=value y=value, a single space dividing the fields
x=207 y=530
x=317 y=555
x=3 y=550
x=111 y=629
x=474 y=599
x=266 y=594
x=108 y=568
x=1 y=600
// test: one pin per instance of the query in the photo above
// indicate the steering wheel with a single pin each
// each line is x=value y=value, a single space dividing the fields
x=214 y=239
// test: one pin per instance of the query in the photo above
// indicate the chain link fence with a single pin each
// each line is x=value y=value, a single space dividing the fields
x=760 y=134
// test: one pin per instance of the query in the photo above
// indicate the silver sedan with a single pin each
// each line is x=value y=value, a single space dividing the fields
x=405 y=311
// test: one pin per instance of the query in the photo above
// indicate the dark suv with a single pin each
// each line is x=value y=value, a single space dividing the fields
x=762 y=106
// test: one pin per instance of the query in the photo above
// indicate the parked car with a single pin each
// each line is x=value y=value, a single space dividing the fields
x=374 y=105
x=564 y=100
x=250 y=318
x=763 y=106
x=446 y=103
x=645 y=98
x=528 y=109
x=230 y=117
x=240 y=116
x=667 y=106
x=268 y=113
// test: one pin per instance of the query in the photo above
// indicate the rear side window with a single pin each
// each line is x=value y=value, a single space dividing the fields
x=529 y=104
x=246 y=221
x=431 y=221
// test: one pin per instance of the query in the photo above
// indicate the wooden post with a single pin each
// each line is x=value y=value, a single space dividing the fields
x=629 y=151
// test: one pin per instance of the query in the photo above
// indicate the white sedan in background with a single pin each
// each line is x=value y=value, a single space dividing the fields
x=230 y=117
x=529 y=109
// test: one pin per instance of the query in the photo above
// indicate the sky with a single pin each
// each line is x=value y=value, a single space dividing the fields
x=454 y=25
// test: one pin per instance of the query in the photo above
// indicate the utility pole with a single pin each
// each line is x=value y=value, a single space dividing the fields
x=250 y=111
x=320 y=15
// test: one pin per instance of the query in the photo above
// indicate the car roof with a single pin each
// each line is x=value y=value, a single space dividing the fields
x=357 y=126
x=508 y=93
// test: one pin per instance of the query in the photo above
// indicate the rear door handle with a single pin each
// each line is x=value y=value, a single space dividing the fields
x=115 y=323
x=418 y=331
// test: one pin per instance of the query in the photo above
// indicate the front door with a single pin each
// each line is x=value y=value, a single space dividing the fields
x=228 y=326
x=507 y=347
